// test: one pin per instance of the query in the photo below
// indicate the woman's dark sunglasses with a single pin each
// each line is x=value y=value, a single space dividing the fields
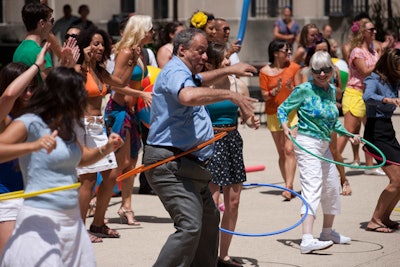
x=70 y=35
x=325 y=70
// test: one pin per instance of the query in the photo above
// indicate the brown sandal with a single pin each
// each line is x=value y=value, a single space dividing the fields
x=103 y=231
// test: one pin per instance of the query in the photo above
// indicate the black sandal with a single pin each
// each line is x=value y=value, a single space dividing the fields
x=103 y=231
x=229 y=263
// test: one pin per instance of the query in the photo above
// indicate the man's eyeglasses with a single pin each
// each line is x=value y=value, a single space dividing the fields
x=371 y=30
x=225 y=29
x=71 y=35
x=325 y=70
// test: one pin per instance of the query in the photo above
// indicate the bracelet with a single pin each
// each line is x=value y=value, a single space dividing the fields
x=101 y=151
x=37 y=66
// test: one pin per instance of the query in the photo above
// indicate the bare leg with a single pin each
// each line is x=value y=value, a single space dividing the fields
x=6 y=229
x=388 y=198
x=351 y=123
x=346 y=190
x=328 y=221
x=287 y=160
x=88 y=182
x=103 y=197
x=126 y=212
x=229 y=218
x=356 y=148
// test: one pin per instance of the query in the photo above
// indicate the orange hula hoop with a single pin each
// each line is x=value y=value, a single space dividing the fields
x=142 y=168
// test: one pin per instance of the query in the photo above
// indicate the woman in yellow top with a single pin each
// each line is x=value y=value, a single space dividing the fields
x=276 y=82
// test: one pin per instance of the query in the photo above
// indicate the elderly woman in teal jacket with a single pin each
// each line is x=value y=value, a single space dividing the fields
x=315 y=102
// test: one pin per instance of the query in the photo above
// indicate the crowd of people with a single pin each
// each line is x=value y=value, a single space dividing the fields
x=76 y=119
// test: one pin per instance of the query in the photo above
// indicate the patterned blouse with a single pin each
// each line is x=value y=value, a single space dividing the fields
x=316 y=109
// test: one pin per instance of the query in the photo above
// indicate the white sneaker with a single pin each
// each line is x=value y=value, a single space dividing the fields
x=310 y=245
x=378 y=172
x=335 y=237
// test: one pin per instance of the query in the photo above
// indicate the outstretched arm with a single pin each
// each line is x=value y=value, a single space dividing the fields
x=239 y=69
x=198 y=96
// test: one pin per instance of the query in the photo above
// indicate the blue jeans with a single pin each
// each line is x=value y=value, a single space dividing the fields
x=182 y=186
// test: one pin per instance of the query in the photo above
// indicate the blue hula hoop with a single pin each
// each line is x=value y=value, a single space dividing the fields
x=274 y=232
x=382 y=156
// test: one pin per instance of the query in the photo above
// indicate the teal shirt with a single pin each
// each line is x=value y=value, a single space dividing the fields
x=27 y=52
x=223 y=113
x=316 y=109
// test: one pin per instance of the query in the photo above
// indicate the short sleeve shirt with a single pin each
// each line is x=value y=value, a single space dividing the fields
x=41 y=170
x=174 y=124
x=356 y=78
x=27 y=52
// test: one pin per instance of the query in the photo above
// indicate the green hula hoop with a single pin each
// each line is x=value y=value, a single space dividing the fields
x=342 y=163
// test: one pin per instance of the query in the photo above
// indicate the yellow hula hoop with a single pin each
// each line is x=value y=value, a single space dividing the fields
x=11 y=193
x=397 y=209
x=21 y=194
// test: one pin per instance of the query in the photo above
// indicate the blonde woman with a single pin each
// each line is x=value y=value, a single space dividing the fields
x=362 y=61
x=120 y=117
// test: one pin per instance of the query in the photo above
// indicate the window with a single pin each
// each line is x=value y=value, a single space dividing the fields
x=160 y=9
x=345 y=8
x=127 y=6
x=268 y=8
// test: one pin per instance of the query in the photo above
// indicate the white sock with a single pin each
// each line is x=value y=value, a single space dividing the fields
x=307 y=237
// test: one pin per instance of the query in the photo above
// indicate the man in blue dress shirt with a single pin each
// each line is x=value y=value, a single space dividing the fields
x=178 y=122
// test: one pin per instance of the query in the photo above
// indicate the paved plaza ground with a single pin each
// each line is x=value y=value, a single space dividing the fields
x=262 y=209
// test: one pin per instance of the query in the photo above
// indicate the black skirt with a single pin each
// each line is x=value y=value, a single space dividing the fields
x=380 y=132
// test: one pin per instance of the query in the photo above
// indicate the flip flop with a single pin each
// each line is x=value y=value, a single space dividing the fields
x=379 y=229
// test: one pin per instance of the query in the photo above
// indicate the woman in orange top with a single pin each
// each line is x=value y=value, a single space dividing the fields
x=95 y=49
x=276 y=82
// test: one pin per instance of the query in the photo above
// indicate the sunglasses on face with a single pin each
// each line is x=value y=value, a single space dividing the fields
x=71 y=35
x=325 y=70
x=371 y=30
